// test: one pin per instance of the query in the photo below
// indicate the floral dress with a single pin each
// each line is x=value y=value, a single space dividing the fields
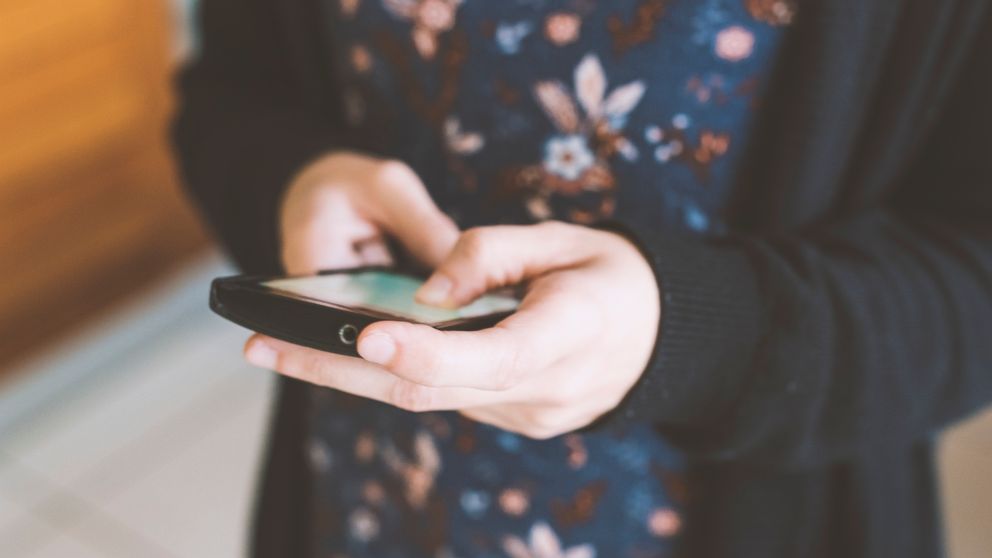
x=521 y=111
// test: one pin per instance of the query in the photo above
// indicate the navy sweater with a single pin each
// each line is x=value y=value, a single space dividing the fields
x=804 y=361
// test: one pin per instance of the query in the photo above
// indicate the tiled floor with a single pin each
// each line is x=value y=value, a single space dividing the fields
x=142 y=441
x=153 y=455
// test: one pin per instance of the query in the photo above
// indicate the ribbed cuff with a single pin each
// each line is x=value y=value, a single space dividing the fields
x=711 y=323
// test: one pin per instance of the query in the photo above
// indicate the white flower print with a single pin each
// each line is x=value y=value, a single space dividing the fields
x=590 y=90
x=320 y=455
x=430 y=19
x=363 y=525
x=544 y=543
x=418 y=474
x=462 y=143
x=577 y=159
x=568 y=156
x=349 y=7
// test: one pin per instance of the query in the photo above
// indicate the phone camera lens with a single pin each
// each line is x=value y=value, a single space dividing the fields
x=348 y=334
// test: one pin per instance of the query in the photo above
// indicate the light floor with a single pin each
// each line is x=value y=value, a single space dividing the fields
x=142 y=440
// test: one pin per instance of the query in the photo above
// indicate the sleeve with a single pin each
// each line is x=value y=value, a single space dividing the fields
x=247 y=123
x=802 y=348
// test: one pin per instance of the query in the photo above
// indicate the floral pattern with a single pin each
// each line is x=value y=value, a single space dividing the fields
x=429 y=19
x=520 y=111
x=589 y=135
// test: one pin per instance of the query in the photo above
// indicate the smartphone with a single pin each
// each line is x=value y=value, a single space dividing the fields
x=328 y=311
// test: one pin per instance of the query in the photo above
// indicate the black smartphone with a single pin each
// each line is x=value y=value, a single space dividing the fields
x=328 y=311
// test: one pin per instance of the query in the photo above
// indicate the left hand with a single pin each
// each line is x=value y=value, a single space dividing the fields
x=579 y=341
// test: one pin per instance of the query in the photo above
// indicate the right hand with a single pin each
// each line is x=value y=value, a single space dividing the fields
x=339 y=210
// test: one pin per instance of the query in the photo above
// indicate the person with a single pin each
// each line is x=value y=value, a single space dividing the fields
x=756 y=238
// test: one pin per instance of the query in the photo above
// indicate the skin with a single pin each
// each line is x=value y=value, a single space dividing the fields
x=579 y=341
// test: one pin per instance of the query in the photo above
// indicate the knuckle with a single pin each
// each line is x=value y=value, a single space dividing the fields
x=392 y=173
x=423 y=368
x=544 y=424
x=508 y=374
x=566 y=393
x=475 y=244
x=511 y=366
x=554 y=227
x=411 y=397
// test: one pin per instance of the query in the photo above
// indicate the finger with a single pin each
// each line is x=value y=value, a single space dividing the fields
x=374 y=252
x=548 y=327
x=525 y=420
x=327 y=243
x=361 y=378
x=491 y=257
x=406 y=211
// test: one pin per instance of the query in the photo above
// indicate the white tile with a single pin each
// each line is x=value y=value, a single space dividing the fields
x=21 y=490
x=197 y=504
x=64 y=546
x=45 y=519
x=119 y=409
x=247 y=393
x=25 y=535
x=99 y=533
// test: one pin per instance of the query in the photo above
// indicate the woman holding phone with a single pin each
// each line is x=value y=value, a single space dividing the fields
x=756 y=240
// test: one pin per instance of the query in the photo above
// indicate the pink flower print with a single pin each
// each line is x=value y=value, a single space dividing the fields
x=430 y=19
x=364 y=447
x=772 y=12
x=590 y=90
x=664 y=523
x=361 y=59
x=590 y=127
x=461 y=142
x=562 y=28
x=350 y=7
x=514 y=502
x=558 y=105
x=577 y=453
x=735 y=43
x=544 y=543
x=674 y=143
x=590 y=85
x=373 y=492
x=418 y=474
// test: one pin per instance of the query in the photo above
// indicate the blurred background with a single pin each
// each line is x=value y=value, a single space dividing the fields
x=128 y=424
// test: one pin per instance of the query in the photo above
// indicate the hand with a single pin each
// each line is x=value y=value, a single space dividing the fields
x=579 y=341
x=337 y=212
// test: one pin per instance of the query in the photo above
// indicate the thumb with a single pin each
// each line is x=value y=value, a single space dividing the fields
x=404 y=209
x=488 y=258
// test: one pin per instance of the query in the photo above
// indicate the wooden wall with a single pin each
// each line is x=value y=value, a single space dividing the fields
x=89 y=209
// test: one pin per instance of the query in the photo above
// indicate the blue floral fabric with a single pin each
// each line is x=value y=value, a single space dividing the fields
x=520 y=111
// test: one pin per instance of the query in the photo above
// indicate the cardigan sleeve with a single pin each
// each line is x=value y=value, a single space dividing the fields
x=801 y=348
x=245 y=125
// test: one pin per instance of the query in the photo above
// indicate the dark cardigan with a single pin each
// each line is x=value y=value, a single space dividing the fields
x=807 y=361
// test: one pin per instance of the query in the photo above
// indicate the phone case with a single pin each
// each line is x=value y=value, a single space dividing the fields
x=308 y=322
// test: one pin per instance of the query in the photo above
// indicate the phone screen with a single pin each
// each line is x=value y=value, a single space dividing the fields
x=386 y=292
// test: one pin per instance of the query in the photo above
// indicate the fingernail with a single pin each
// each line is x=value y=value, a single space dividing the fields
x=435 y=291
x=262 y=355
x=378 y=348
